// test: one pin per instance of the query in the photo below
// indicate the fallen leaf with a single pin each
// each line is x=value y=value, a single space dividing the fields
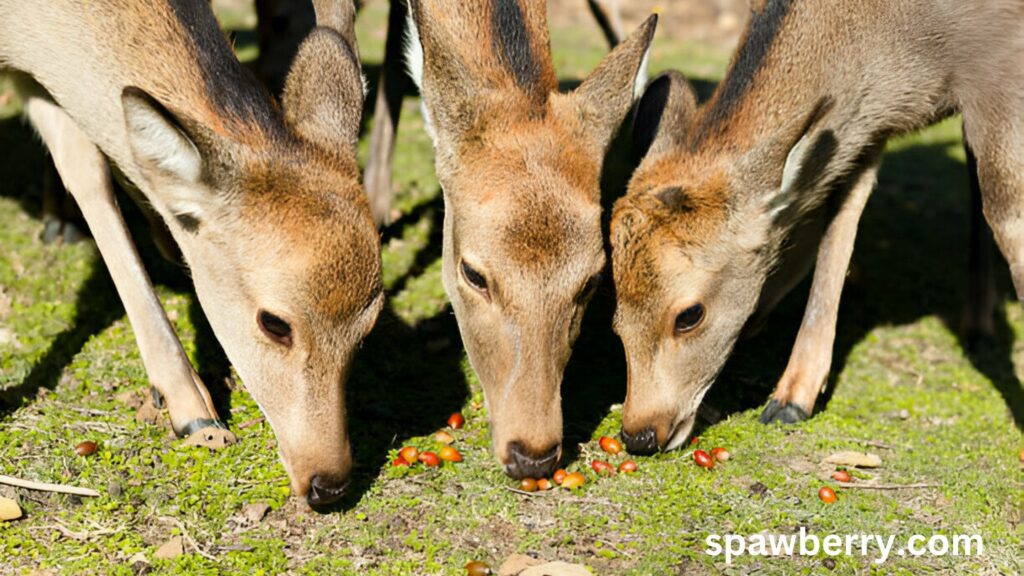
x=171 y=549
x=516 y=563
x=556 y=569
x=210 y=437
x=129 y=398
x=9 y=509
x=255 y=512
x=858 y=459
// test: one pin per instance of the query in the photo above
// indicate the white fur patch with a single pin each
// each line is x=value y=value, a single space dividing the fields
x=413 y=51
x=794 y=162
x=641 y=75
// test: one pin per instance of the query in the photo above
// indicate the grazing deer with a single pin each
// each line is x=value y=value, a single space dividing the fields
x=265 y=204
x=520 y=165
x=734 y=203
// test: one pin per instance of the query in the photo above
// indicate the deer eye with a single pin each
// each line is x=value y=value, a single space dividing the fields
x=474 y=278
x=689 y=319
x=274 y=328
x=590 y=287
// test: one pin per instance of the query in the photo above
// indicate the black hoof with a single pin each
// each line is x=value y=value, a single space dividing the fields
x=788 y=414
x=51 y=230
x=197 y=425
x=158 y=398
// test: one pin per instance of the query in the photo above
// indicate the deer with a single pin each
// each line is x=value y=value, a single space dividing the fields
x=735 y=201
x=519 y=164
x=264 y=201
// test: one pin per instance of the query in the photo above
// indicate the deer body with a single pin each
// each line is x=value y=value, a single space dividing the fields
x=520 y=165
x=734 y=202
x=266 y=206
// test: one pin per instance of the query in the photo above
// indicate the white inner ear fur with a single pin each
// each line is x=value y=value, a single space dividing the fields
x=794 y=162
x=641 y=76
x=414 y=64
x=162 y=148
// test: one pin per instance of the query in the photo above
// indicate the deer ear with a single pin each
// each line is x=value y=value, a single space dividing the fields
x=323 y=95
x=607 y=95
x=164 y=153
x=664 y=114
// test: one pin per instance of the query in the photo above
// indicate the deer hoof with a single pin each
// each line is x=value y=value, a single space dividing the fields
x=775 y=412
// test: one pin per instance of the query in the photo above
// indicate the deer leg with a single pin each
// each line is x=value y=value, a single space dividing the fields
x=811 y=358
x=86 y=174
x=979 y=311
x=609 y=18
x=387 y=111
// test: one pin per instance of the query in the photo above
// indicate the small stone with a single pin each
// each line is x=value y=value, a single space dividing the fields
x=9 y=509
x=857 y=459
x=255 y=512
x=171 y=549
x=516 y=563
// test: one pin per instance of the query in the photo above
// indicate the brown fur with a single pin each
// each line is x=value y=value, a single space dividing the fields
x=811 y=96
x=520 y=166
x=265 y=205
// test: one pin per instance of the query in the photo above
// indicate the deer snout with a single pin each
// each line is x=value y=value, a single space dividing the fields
x=325 y=490
x=642 y=442
x=649 y=434
x=525 y=462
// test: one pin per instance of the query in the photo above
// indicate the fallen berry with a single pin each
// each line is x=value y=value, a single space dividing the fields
x=528 y=485
x=703 y=459
x=443 y=437
x=602 y=468
x=559 y=476
x=410 y=454
x=477 y=568
x=573 y=481
x=841 y=476
x=456 y=421
x=610 y=445
x=86 y=448
x=695 y=441
x=720 y=454
x=430 y=460
x=628 y=467
x=449 y=454
x=543 y=484
x=399 y=462
x=827 y=495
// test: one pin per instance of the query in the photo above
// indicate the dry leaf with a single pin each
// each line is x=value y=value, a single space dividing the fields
x=171 y=549
x=858 y=459
x=557 y=569
x=255 y=512
x=516 y=563
x=147 y=412
x=9 y=509
x=210 y=437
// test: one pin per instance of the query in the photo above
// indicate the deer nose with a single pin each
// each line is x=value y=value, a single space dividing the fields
x=526 y=463
x=643 y=442
x=324 y=491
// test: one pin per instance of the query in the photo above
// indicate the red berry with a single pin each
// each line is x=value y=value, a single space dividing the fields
x=528 y=485
x=477 y=568
x=449 y=454
x=602 y=468
x=86 y=448
x=695 y=440
x=543 y=484
x=410 y=454
x=430 y=460
x=827 y=495
x=703 y=459
x=573 y=481
x=399 y=462
x=456 y=421
x=610 y=445
x=559 y=476
x=628 y=467
x=720 y=454
x=841 y=476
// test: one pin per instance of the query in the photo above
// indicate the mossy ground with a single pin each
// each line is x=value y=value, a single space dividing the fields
x=947 y=418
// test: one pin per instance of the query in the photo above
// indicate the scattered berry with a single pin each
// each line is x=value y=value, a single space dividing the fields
x=410 y=454
x=86 y=448
x=720 y=454
x=602 y=468
x=528 y=485
x=695 y=441
x=477 y=568
x=430 y=460
x=841 y=476
x=399 y=462
x=827 y=495
x=456 y=421
x=573 y=481
x=610 y=445
x=449 y=454
x=628 y=467
x=443 y=437
x=543 y=484
x=703 y=459
x=559 y=476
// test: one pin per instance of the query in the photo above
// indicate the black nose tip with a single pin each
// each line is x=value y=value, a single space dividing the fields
x=643 y=442
x=528 y=464
x=323 y=491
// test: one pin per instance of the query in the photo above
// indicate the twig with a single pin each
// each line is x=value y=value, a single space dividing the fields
x=885 y=486
x=45 y=487
x=876 y=444
x=523 y=492
x=252 y=422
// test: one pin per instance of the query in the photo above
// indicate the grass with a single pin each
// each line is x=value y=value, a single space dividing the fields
x=949 y=418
